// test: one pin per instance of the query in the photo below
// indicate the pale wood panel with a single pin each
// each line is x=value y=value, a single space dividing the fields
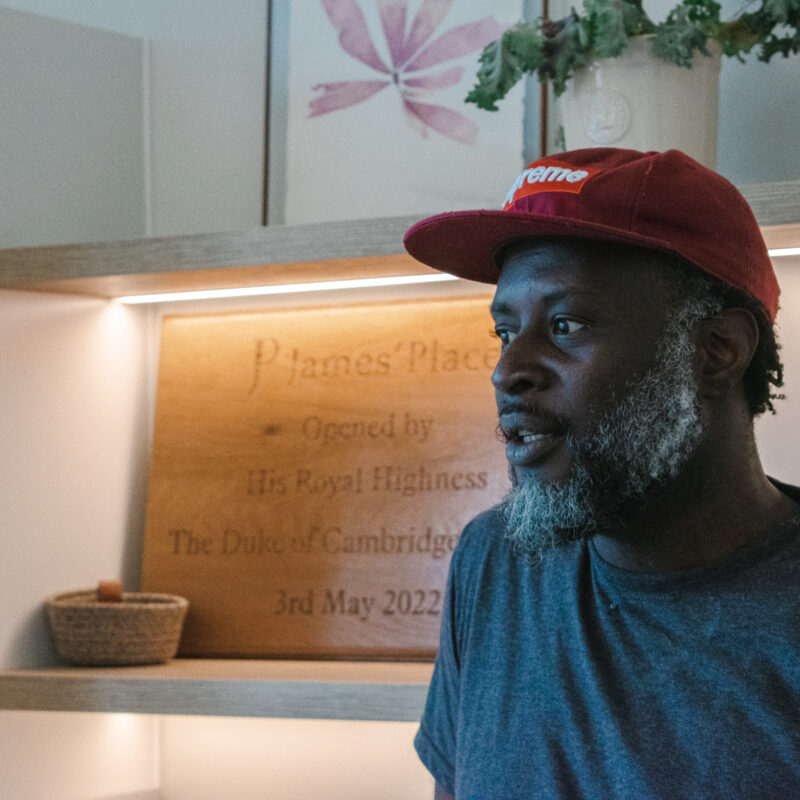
x=247 y=688
x=782 y=236
x=312 y=471
x=37 y=267
x=232 y=277
x=774 y=203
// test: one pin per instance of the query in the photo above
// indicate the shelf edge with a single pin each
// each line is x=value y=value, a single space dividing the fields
x=281 y=699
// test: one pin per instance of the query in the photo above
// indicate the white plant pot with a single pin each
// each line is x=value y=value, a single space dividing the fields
x=642 y=102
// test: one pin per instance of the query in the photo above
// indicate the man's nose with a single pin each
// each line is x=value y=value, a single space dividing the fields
x=520 y=367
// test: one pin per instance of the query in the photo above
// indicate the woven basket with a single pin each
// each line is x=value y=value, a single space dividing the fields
x=141 y=629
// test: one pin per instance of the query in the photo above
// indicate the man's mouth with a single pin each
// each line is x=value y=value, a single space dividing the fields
x=529 y=442
x=530 y=450
x=528 y=437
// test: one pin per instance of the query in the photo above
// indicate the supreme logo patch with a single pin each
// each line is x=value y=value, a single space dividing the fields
x=548 y=175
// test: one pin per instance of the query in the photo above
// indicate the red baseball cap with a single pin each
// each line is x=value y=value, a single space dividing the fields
x=663 y=201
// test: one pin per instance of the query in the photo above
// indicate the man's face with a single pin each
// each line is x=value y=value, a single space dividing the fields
x=595 y=392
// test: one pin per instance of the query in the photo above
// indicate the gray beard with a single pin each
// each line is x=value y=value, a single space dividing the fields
x=641 y=441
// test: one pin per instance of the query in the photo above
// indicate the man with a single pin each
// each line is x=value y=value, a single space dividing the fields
x=625 y=624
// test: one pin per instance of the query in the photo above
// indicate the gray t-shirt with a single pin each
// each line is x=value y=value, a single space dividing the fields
x=576 y=679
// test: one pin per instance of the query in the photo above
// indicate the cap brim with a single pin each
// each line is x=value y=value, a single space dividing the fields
x=469 y=244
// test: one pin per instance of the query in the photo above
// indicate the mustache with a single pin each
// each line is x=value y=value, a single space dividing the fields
x=519 y=407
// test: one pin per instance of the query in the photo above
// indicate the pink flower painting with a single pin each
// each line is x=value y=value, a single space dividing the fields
x=416 y=65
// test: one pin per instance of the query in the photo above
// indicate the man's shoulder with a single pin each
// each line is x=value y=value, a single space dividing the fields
x=489 y=521
x=483 y=534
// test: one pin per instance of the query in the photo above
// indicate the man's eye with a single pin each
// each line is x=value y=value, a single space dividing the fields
x=502 y=335
x=562 y=326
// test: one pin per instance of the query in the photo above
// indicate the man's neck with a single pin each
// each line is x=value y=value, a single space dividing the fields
x=715 y=507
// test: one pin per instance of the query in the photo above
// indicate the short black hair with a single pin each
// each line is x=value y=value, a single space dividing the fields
x=765 y=370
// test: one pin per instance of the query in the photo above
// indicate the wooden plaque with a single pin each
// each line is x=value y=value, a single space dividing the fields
x=312 y=470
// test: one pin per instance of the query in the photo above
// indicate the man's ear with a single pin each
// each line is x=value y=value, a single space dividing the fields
x=725 y=346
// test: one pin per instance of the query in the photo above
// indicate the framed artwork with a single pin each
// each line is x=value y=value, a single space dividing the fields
x=367 y=111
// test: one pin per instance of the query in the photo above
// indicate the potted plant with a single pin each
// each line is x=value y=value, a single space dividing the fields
x=568 y=52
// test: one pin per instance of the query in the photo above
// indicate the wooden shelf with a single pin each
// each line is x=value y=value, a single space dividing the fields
x=238 y=688
x=280 y=254
x=276 y=254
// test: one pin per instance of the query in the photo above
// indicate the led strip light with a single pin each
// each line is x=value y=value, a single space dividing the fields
x=286 y=288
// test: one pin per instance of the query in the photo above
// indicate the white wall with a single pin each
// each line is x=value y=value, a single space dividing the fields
x=777 y=435
x=253 y=759
x=204 y=121
x=71 y=140
x=73 y=427
x=72 y=756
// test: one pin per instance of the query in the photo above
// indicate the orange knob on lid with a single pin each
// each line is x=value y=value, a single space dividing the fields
x=109 y=591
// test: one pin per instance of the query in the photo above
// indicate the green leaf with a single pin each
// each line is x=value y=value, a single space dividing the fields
x=738 y=37
x=503 y=62
x=678 y=37
x=785 y=45
x=555 y=50
x=781 y=10
x=703 y=13
x=637 y=23
x=565 y=52
x=607 y=27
